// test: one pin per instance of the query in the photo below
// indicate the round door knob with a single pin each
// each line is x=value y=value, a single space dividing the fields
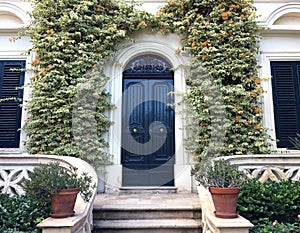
x=135 y=130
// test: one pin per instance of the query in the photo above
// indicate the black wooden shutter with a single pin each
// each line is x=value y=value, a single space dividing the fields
x=285 y=83
x=11 y=79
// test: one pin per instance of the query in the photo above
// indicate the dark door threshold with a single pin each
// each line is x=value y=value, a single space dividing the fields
x=148 y=189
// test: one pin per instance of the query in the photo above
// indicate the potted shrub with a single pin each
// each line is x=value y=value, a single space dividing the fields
x=58 y=185
x=223 y=181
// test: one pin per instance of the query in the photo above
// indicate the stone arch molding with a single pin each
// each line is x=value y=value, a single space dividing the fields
x=154 y=48
x=162 y=46
x=282 y=11
x=16 y=11
x=166 y=47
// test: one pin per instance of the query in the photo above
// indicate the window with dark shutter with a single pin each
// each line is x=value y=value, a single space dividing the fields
x=285 y=83
x=11 y=81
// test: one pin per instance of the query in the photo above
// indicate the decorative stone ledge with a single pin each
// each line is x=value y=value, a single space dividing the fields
x=273 y=167
x=269 y=167
x=14 y=169
x=212 y=224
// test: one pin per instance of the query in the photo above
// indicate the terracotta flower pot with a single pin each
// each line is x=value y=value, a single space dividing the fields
x=63 y=202
x=225 y=201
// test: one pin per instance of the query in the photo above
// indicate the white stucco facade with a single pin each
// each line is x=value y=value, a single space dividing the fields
x=280 y=42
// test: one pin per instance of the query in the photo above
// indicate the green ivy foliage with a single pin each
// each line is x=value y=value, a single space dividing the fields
x=222 y=36
x=70 y=38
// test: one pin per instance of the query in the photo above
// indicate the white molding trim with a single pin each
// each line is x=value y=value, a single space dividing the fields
x=280 y=11
x=145 y=43
x=265 y=74
x=17 y=9
x=19 y=55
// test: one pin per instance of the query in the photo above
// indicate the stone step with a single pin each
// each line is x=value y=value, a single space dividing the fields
x=147 y=212
x=148 y=226
x=12 y=151
x=113 y=212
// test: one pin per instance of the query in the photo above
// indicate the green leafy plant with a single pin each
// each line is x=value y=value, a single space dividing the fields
x=219 y=173
x=19 y=213
x=277 y=227
x=222 y=37
x=69 y=39
x=46 y=179
x=296 y=142
x=263 y=203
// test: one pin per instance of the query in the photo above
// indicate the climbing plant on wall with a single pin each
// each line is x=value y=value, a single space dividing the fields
x=71 y=37
x=221 y=36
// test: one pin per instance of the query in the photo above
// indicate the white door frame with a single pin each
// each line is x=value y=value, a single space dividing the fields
x=165 y=47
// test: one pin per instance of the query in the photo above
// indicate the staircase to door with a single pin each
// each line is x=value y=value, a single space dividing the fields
x=147 y=213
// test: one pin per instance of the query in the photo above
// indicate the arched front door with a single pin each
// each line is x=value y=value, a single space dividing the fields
x=148 y=140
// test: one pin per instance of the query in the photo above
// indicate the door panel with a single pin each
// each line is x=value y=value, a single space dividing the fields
x=161 y=112
x=148 y=131
x=133 y=126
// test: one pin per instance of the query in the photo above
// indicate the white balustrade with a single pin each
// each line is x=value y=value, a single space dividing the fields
x=262 y=167
x=14 y=169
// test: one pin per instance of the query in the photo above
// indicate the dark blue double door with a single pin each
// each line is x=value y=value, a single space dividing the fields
x=148 y=140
